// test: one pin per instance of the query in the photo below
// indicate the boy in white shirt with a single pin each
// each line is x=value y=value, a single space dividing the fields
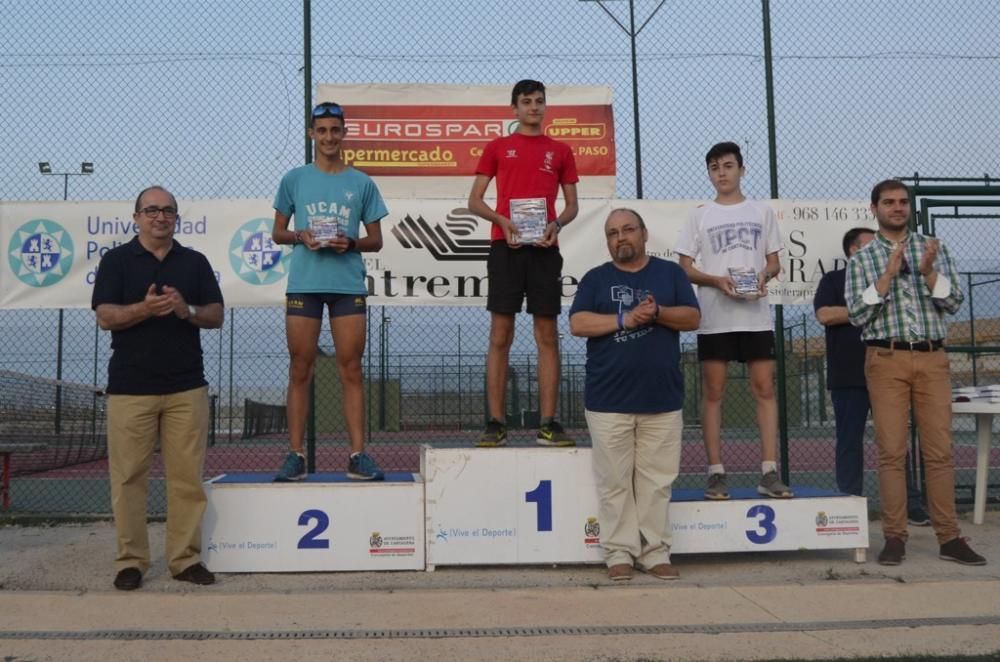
x=731 y=236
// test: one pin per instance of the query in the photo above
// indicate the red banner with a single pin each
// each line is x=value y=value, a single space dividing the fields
x=436 y=141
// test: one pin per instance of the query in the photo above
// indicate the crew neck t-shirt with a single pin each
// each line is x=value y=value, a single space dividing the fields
x=527 y=167
x=349 y=196
x=720 y=237
x=636 y=371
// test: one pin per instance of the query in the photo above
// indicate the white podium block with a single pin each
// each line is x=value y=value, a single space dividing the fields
x=814 y=519
x=539 y=505
x=327 y=522
x=510 y=506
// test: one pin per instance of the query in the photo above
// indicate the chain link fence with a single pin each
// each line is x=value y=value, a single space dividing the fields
x=206 y=98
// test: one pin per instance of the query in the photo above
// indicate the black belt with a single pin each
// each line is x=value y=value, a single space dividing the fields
x=922 y=346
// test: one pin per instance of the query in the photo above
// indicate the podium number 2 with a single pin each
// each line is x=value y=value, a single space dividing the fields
x=542 y=497
x=765 y=531
x=310 y=540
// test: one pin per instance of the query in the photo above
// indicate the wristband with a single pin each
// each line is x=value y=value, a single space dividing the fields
x=558 y=227
x=621 y=320
x=298 y=237
x=351 y=243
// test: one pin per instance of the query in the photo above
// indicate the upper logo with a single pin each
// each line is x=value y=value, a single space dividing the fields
x=821 y=519
x=445 y=243
x=255 y=257
x=375 y=540
x=41 y=253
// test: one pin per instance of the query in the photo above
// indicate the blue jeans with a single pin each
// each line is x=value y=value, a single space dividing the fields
x=850 y=411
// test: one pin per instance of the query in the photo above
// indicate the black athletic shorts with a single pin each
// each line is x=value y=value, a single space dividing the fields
x=529 y=271
x=311 y=305
x=742 y=346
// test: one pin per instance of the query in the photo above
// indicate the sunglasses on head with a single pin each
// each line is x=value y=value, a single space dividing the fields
x=328 y=110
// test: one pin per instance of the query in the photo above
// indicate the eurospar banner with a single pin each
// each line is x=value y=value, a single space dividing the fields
x=425 y=140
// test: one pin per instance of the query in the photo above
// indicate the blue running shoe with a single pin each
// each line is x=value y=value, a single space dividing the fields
x=363 y=467
x=294 y=468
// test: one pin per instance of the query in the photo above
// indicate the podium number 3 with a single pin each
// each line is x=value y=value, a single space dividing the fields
x=310 y=539
x=766 y=530
x=542 y=497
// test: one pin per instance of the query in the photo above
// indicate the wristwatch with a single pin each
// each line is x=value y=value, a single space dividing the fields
x=192 y=311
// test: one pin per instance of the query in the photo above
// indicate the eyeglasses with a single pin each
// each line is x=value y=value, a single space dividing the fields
x=328 y=110
x=153 y=212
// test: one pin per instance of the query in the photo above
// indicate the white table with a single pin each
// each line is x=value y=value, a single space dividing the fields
x=984 y=411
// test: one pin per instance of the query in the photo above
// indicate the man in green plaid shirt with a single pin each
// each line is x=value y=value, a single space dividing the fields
x=899 y=288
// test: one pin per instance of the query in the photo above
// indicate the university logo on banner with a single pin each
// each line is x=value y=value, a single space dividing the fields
x=254 y=256
x=41 y=253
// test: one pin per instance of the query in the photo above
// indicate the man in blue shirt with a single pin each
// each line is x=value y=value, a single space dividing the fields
x=845 y=377
x=329 y=201
x=632 y=310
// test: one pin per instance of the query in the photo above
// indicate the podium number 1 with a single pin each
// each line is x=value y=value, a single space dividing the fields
x=310 y=540
x=542 y=497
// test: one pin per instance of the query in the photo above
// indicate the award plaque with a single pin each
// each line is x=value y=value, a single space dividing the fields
x=745 y=281
x=530 y=217
x=325 y=228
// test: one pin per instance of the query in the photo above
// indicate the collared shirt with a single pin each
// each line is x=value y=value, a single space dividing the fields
x=910 y=311
x=158 y=355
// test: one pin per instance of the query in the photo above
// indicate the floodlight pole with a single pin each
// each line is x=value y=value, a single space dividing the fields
x=632 y=33
x=86 y=168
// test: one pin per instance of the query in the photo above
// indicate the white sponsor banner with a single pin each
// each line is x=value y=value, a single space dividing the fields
x=434 y=251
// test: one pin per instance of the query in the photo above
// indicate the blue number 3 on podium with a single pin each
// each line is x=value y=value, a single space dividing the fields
x=765 y=531
x=310 y=539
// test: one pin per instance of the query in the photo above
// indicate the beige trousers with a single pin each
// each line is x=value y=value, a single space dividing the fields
x=180 y=422
x=896 y=378
x=636 y=458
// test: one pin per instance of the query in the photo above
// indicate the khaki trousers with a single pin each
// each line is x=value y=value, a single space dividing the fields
x=180 y=422
x=897 y=379
x=636 y=458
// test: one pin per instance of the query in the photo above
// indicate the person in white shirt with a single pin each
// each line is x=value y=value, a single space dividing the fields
x=736 y=244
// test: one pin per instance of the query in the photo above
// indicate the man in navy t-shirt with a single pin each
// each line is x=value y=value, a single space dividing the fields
x=632 y=310
x=845 y=377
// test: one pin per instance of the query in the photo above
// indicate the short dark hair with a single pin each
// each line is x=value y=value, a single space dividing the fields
x=851 y=238
x=155 y=187
x=526 y=86
x=887 y=185
x=629 y=210
x=724 y=149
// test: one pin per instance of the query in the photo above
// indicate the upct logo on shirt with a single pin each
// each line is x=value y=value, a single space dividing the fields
x=254 y=256
x=41 y=253
x=729 y=237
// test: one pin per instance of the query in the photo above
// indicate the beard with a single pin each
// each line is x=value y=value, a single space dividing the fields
x=625 y=254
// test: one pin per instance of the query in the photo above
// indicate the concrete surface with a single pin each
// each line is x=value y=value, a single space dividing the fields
x=803 y=605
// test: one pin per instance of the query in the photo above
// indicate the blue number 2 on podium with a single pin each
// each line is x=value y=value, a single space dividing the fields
x=542 y=495
x=309 y=540
x=766 y=530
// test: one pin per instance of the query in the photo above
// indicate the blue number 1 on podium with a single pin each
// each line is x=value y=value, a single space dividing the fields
x=542 y=496
x=309 y=540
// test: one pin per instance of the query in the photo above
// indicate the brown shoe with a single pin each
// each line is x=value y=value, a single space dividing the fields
x=663 y=571
x=958 y=550
x=893 y=553
x=620 y=572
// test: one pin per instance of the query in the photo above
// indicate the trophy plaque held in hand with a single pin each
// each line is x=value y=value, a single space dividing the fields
x=745 y=282
x=326 y=228
x=530 y=217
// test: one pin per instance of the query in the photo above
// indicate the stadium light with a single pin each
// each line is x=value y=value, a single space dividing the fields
x=86 y=168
